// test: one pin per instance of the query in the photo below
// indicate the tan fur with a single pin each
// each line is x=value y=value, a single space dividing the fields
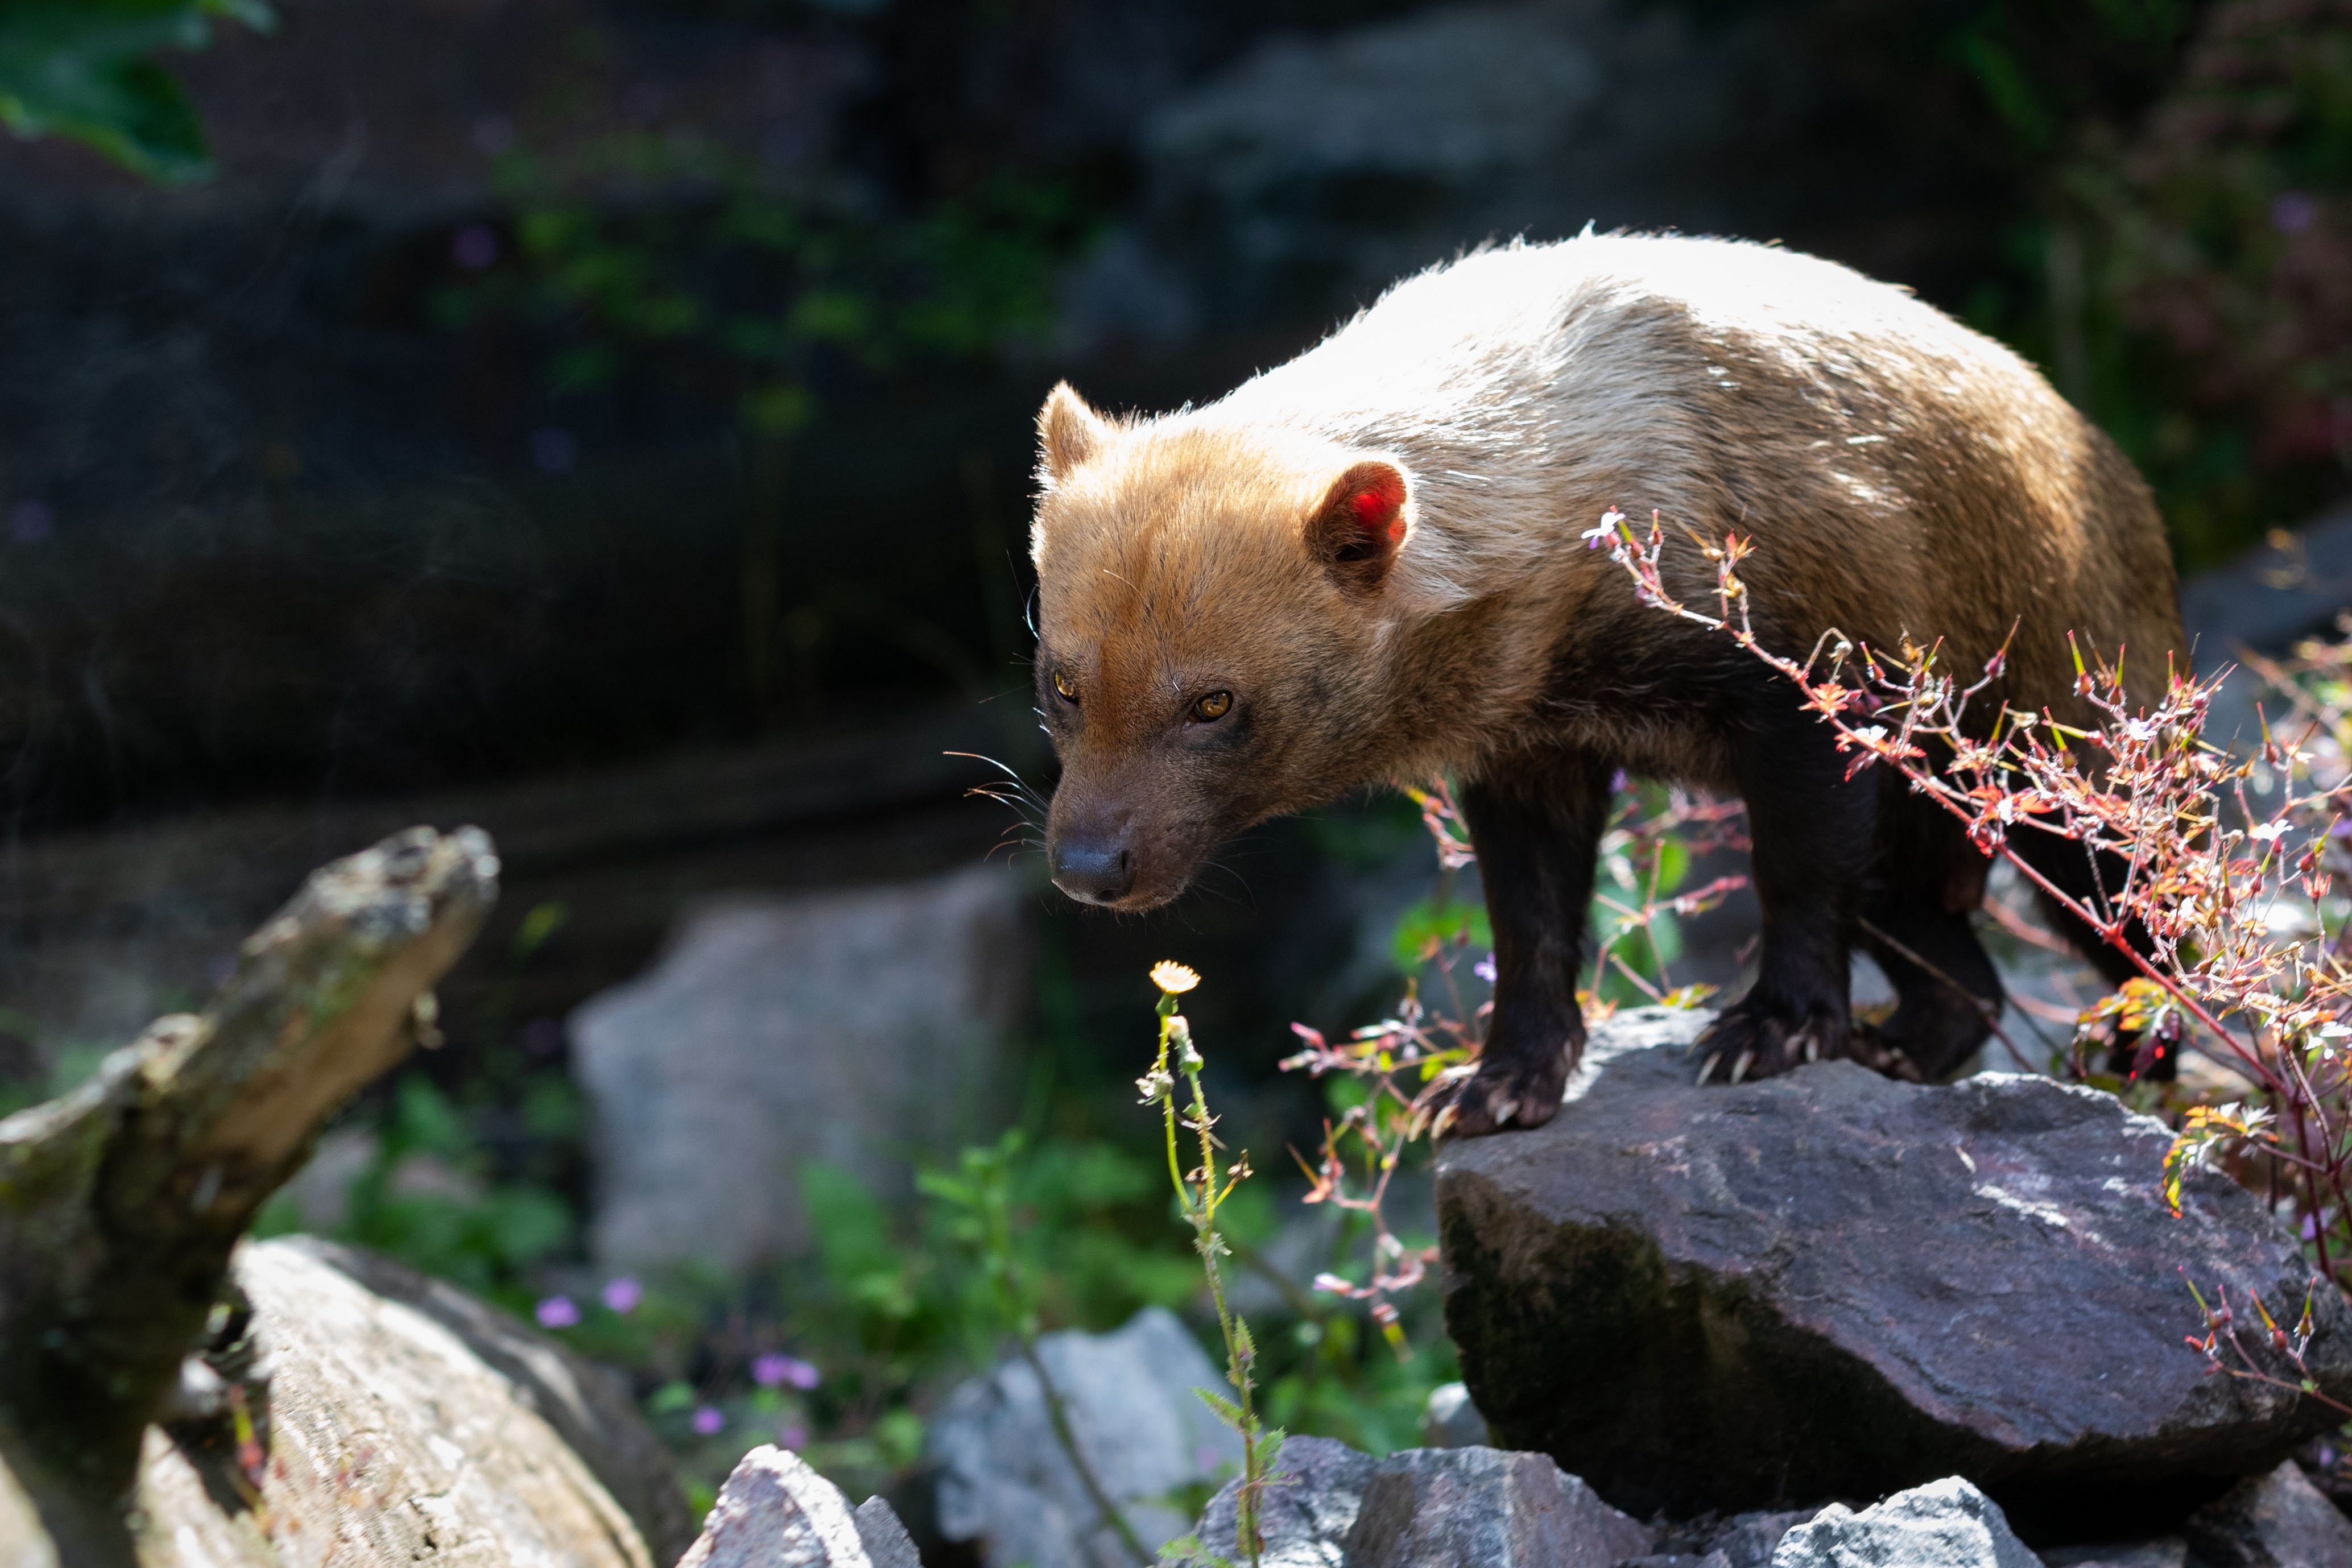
x=1900 y=476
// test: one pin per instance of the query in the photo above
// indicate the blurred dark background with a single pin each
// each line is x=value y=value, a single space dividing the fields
x=608 y=420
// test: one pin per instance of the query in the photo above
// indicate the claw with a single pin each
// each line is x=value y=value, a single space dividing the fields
x=1739 y=1068
x=1813 y=1049
x=1706 y=1070
x=1503 y=1111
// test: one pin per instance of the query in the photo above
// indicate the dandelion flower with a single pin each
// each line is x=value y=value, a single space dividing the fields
x=1174 y=978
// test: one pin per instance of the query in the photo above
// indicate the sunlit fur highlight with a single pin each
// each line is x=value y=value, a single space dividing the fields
x=1900 y=475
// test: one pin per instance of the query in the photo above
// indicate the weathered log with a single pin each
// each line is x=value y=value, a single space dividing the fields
x=121 y=1203
x=406 y=1423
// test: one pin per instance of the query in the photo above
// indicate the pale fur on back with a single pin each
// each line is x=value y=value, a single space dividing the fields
x=1900 y=476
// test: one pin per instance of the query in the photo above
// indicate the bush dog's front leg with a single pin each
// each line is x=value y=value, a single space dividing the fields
x=1536 y=823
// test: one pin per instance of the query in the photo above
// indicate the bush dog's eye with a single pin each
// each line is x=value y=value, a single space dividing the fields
x=1065 y=687
x=1213 y=706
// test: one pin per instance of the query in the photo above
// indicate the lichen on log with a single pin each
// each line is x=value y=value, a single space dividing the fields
x=121 y=1203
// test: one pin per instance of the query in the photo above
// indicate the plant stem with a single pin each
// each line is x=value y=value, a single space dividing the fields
x=1058 y=1414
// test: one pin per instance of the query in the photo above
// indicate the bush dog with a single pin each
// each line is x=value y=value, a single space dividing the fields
x=1373 y=563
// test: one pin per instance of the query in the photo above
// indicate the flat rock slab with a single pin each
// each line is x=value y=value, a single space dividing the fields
x=1831 y=1284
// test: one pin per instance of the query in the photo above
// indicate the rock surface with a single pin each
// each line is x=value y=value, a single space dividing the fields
x=407 y=1422
x=2274 y=1521
x=1436 y=1507
x=776 y=1513
x=1332 y=1507
x=1005 y=1483
x=1304 y=1522
x=1450 y=1420
x=2171 y=1552
x=1832 y=1284
x=837 y=1028
x=1945 y=1524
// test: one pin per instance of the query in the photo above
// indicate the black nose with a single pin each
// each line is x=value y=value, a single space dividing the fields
x=1093 y=871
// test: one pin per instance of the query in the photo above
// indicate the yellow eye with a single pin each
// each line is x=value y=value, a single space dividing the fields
x=1065 y=687
x=1213 y=706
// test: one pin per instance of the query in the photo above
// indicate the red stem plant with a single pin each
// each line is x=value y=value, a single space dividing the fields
x=1409 y=1063
x=2228 y=862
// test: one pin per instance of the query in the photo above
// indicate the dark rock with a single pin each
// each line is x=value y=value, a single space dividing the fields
x=1425 y=1507
x=1752 y=1538
x=2171 y=1552
x=1306 y=1518
x=1441 y=1508
x=1451 y=1420
x=887 y=1542
x=2274 y=1521
x=1946 y=1524
x=1834 y=1284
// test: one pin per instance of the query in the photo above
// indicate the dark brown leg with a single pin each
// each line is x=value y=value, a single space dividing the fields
x=1812 y=828
x=1536 y=822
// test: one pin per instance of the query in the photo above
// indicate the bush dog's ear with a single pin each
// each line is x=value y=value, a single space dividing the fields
x=1068 y=433
x=1357 y=529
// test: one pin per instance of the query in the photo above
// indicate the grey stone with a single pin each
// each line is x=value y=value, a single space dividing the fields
x=887 y=1544
x=1831 y=1284
x=2291 y=586
x=1307 y=1512
x=2171 y=1552
x=1006 y=1483
x=1451 y=1420
x=1484 y=1508
x=1451 y=93
x=840 y=1028
x=1945 y=1524
x=776 y=1513
x=1332 y=1507
x=1371 y=151
x=2274 y=1521
x=1752 y=1538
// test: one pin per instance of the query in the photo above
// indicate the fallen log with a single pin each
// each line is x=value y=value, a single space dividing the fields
x=121 y=1204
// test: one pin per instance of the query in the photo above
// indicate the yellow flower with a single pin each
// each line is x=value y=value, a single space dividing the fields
x=1174 y=978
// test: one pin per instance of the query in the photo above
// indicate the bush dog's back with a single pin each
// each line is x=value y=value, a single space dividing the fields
x=1369 y=563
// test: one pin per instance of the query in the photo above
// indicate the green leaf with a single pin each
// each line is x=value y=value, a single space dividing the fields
x=1227 y=1411
x=79 y=69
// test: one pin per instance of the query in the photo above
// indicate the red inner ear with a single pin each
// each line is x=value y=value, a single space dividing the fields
x=1371 y=498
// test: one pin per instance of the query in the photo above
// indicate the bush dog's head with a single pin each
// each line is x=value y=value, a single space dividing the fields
x=1212 y=634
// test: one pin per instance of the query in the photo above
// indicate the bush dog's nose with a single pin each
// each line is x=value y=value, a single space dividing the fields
x=1093 y=871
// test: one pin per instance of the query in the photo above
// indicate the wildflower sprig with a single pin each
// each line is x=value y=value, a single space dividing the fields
x=1198 y=1192
x=2226 y=863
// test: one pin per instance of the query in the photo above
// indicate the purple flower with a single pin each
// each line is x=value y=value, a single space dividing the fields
x=30 y=522
x=708 y=1421
x=474 y=248
x=771 y=1367
x=792 y=1437
x=554 y=451
x=2293 y=211
x=558 y=1312
x=624 y=1294
x=1485 y=968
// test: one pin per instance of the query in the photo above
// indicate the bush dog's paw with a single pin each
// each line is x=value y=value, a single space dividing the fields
x=1522 y=1094
x=1756 y=1040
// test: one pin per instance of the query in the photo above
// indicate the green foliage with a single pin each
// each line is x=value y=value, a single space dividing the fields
x=673 y=256
x=2188 y=175
x=1438 y=922
x=83 y=69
